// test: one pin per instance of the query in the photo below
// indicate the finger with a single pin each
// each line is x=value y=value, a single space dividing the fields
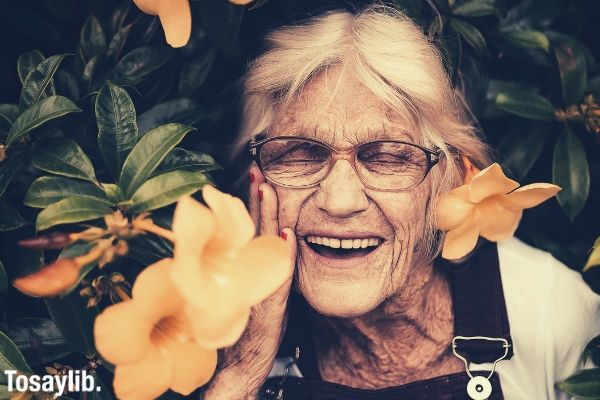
x=256 y=178
x=280 y=296
x=268 y=224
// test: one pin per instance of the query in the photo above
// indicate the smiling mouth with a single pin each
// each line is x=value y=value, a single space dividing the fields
x=342 y=248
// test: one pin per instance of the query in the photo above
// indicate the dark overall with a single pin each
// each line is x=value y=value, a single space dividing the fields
x=479 y=310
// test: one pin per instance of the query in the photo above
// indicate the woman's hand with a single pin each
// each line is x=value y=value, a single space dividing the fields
x=244 y=367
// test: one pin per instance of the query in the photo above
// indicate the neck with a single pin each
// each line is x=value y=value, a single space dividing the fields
x=406 y=338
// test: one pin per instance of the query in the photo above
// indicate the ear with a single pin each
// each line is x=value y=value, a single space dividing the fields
x=470 y=169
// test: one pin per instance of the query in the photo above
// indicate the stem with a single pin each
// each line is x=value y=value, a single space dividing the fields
x=149 y=226
x=123 y=295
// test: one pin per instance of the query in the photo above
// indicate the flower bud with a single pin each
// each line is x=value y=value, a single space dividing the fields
x=50 y=280
x=54 y=240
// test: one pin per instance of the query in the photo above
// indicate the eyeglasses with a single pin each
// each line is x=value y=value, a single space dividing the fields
x=383 y=165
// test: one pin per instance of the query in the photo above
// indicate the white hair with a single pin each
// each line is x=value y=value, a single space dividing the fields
x=390 y=55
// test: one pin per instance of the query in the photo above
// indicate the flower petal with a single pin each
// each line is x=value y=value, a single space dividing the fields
x=234 y=225
x=214 y=330
x=148 y=6
x=154 y=292
x=193 y=366
x=453 y=208
x=530 y=195
x=176 y=20
x=121 y=334
x=193 y=226
x=262 y=267
x=49 y=280
x=489 y=182
x=495 y=221
x=144 y=380
x=461 y=240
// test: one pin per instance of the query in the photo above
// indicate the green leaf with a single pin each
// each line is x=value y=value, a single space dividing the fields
x=70 y=210
x=4 y=393
x=27 y=62
x=3 y=278
x=66 y=85
x=182 y=159
x=532 y=14
x=92 y=40
x=113 y=192
x=89 y=75
x=38 y=114
x=117 y=19
x=75 y=321
x=520 y=149
x=8 y=169
x=165 y=189
x=63 y=157
x=10 y=358
x=584 y=384
x=39 y=339
x=194 y=73
x=75 y=250
x=570 y=171
x=471 y=34
x=39 y=83
x=9 y=112
x=147 y=155
x=118 y=42
x=10 y=218
x=47 y=190
x=572 y=66
x=594 y=257
x=476 y=8
x=528 y=39
x=136 y=65
x=182 y=110
x=117 y=126
x=525 y=104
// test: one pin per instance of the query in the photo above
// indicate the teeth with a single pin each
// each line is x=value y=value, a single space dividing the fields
x=344 y=243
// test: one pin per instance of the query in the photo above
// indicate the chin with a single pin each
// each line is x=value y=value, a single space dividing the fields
x=344 y=282
x=342 y=299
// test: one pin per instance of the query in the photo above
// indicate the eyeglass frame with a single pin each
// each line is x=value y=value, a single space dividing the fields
x=254 y=146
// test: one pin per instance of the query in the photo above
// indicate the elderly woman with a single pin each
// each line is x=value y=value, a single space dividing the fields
x=356 y=131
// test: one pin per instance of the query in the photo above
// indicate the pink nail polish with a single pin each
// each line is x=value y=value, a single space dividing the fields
x=283 y=235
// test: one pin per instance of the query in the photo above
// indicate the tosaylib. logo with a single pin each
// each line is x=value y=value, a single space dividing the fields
x=73 y=381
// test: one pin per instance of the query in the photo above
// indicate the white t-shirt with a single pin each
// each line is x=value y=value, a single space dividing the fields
x=552 y=313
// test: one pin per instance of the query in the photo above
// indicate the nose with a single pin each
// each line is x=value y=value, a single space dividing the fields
x=341 y=193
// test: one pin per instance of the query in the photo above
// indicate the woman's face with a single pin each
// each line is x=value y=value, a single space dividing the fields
x=348 y=283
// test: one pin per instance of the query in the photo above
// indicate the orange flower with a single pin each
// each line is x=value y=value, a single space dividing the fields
x=489 y=205
x=149 y=340
x=175 y=18
x=219 y=269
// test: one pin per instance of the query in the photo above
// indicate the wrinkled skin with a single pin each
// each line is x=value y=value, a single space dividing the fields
x=388 y=314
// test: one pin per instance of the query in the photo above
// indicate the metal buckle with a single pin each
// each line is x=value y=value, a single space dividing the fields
x=504 y=342
x=479 y=387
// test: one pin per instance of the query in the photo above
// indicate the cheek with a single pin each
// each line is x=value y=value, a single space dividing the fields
x=290 y=203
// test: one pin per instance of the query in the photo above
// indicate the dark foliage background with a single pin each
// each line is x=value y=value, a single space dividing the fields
x=519 y=61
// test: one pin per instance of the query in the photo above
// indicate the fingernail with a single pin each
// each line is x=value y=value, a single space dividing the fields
x=260 y=195
x=251 y=176
x=283 y=235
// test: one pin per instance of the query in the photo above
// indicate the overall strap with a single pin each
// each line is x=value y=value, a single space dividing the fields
x=479 y=305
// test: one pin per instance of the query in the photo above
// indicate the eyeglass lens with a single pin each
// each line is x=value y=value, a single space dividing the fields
x=381 y=165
